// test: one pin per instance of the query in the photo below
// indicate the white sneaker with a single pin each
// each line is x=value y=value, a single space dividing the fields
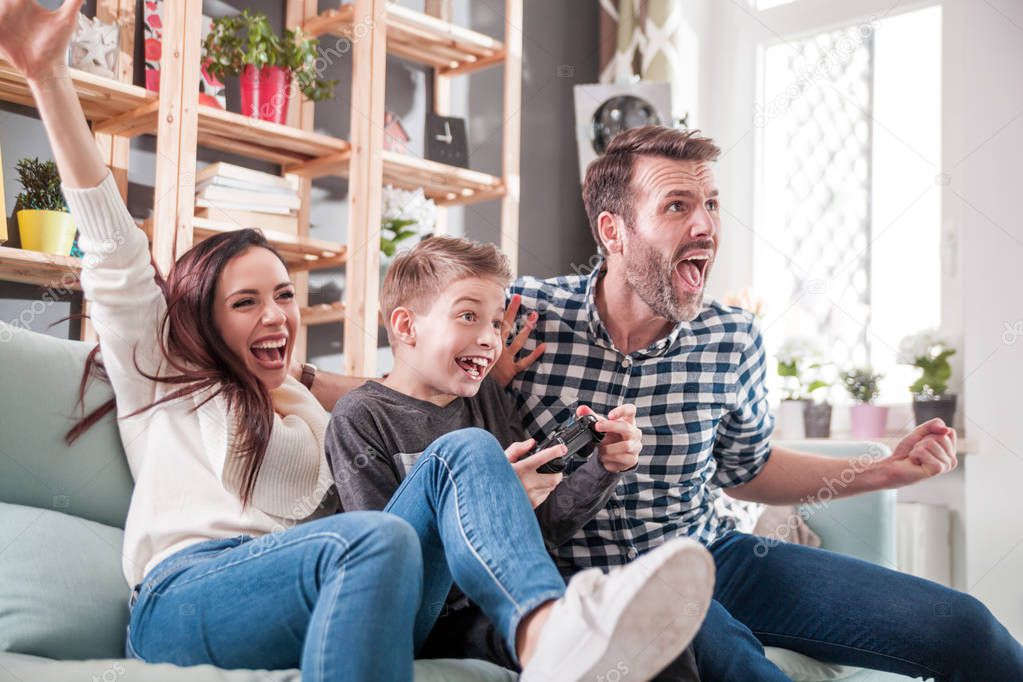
x=632 y=622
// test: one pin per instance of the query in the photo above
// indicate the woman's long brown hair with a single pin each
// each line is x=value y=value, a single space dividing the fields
x=194 y=349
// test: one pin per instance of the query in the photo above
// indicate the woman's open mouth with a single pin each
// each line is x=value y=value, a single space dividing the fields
x=270 y=354
x=475 y=366
x=691 y=271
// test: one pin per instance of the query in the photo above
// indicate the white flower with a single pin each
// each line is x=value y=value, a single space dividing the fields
x=797 y=348
x=920 y=345
x=399 y=204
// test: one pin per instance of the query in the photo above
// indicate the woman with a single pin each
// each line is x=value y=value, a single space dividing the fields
x=231 y=544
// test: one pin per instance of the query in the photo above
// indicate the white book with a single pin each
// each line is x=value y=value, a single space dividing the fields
x=235 y=206
x=254 y=200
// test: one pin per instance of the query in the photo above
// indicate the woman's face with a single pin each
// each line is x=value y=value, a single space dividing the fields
x=256 y=314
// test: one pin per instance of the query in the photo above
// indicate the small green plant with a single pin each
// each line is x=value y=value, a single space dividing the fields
x=248 y=38
x=800 y=365
x=40 y=184
x=862 y=384
x=930 y=353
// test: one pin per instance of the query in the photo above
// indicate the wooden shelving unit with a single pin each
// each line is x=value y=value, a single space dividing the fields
x=119 y=111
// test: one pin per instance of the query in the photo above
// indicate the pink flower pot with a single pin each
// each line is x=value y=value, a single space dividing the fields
x=265 y=92
x=868 y=421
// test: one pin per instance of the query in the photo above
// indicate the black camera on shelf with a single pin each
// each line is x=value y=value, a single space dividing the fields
x=578 y=435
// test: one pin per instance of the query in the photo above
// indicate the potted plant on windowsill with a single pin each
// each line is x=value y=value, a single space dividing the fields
x=866 y=420
x=44 y=222
x=801 y=367
x=931 y=398
x=245 y=45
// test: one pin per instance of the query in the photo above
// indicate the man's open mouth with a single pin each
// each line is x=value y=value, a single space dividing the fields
x=475 y=366
x=270 y=354
x=692 y=270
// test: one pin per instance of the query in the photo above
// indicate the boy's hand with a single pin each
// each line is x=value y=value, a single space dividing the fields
x=538 y=486
x=619 y=451
x=507 y=367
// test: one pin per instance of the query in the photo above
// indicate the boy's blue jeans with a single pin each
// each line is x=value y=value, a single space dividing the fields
x=835 y=608
x=353 y=596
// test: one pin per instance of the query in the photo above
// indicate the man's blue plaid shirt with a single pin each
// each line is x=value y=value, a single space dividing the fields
x=700 y=402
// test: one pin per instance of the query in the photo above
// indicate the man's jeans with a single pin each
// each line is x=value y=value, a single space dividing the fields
x=838 y=609
x=353 y=596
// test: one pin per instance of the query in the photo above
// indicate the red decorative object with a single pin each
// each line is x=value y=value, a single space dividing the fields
x=396 y=139
x=211 y=90
x=265 y=92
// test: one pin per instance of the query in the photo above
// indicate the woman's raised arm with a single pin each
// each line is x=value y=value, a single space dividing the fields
x=34 y=40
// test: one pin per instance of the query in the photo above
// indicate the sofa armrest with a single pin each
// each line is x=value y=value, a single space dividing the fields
x=862 y=526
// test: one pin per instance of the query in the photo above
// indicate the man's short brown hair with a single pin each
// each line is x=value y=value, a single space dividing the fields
x=608 y=183
x=416 y=276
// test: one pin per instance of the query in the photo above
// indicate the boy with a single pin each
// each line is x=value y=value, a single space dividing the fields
x=444 y=304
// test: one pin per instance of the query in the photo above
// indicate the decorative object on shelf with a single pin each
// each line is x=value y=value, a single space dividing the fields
x=404 y=214
x=44 y=223
x=237 y=195
x=446 y=140
x=396 y=138
x=211 y=90
x=931 y=398
x=801 y=366
x=246 y=45
x=94 y=47
x=866 y=420
x=603 y=110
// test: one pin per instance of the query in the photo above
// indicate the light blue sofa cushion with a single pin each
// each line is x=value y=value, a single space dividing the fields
x=40 y=377
x=62 y=594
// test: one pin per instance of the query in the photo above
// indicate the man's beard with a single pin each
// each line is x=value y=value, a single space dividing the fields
x=652 y=277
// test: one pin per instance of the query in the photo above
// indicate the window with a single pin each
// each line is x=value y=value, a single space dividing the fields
x=849 y=191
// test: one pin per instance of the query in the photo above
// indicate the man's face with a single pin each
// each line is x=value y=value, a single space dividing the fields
x=669 y=249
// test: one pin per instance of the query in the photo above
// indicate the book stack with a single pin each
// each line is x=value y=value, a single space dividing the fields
x=226 y=193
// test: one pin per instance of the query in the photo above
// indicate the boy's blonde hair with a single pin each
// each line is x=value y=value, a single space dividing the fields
x=417 y=276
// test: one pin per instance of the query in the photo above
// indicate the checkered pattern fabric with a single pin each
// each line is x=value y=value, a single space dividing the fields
x=701 y=404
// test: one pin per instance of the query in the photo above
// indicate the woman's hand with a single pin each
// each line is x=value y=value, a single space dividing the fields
x=33 y=39
x=506 y=366
x=538 y=486
x=623 y=441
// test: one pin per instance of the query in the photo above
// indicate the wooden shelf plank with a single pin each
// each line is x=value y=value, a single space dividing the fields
x=418 y=37
x=101 y=98
x=324 y=313
x=32 y=267
x=301 y=253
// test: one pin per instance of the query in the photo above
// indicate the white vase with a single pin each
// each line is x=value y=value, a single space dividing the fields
x=788 y=423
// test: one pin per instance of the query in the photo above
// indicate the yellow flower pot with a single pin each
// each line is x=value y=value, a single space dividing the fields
x=46 y=231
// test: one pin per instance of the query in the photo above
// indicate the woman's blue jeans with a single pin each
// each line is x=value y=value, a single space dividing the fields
x=354 y=595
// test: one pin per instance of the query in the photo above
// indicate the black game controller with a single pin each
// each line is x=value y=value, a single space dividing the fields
x=577 y=435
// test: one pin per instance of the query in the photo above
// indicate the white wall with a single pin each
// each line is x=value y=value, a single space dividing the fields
x=984 y=147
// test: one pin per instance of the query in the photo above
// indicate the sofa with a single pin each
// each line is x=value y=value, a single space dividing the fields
x=63 y=599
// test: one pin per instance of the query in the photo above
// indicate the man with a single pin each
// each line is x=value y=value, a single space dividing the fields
x=638 y=330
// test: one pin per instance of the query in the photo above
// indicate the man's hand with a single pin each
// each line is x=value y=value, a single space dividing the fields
x=623 y=441
x=538 y=486
x=506 y=366
x=930 y=450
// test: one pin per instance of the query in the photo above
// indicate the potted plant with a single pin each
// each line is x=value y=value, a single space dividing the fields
x=246 y=45
x=404 y=214
x=44 y=222
x=931 y=398
x=866 y=420
x=801 y=368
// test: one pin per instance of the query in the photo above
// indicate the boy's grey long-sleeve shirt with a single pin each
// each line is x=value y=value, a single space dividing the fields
x=376 y=434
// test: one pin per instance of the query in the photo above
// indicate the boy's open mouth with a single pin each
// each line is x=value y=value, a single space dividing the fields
x=270 y=353
x=475 y=366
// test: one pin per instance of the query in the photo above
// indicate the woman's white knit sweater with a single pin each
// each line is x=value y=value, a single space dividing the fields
x=186 y=476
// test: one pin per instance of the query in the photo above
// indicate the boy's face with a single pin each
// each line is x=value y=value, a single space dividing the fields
x=458 y=339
